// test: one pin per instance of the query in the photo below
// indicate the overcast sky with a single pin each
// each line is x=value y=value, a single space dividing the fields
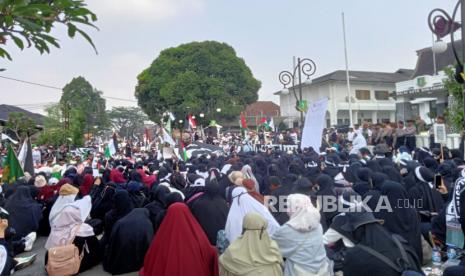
x=382 y=36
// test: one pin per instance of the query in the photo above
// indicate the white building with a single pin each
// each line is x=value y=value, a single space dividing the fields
x=371 y=97
x=423 y=95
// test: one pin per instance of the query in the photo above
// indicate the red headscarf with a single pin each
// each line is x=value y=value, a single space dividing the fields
x=146 y=179
x=116 y=176
x=180 y=247
x=86 y=184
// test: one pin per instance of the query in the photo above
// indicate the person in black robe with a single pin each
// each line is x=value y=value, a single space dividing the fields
x=129 y=241
x=364 y=184
x=427 y=199
x=374 y=193
x=122 y=205
x=102 y=195
x=210 y=210
x=326 y=189
x=158 y=203
x=403 y=219
x=364 y=229
x=25 y=215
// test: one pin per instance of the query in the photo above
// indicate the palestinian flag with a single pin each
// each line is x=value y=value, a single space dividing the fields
x=192 y=122
x=268 y=123
x=243 y=122
x=182 y=151
x=11 y=168
x=110 y=149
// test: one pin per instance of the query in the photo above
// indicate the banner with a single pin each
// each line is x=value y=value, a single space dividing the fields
x=314 y=125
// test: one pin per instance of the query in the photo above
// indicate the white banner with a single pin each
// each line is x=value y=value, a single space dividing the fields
x=314 y=125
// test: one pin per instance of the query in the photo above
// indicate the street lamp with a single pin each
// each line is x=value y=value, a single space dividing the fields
x=304 y=66
x=442 y=24
x=201 y=115
x=218 y=110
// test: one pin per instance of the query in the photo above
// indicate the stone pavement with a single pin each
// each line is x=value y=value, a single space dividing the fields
x=38 y=268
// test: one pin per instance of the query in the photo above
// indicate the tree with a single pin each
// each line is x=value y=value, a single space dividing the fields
x=29 y=22
x=128 y=121
x=454 y=113
x=80 y=95
x=55 y=132
x=197 y=77
x=21 y=125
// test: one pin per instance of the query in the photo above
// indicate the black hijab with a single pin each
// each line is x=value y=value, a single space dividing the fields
x=210 y=210
x=403 y=219
x=129 y=241
x=158 y=202
x=25 y=212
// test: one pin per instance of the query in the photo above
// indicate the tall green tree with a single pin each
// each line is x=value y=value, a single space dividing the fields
x=55 y=132
x=79 y=94
x=454 y=113
x=127 y=121
x=20 y=125
x=197 y=77
x=29 y=23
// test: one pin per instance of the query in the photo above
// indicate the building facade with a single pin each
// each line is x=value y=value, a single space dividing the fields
x=371 y=97
x=261 y=109
x=423 y=95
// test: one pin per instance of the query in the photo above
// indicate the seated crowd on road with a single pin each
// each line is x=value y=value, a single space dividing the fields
x=358 y=205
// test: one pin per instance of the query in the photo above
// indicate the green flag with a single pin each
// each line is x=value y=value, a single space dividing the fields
x=11 y=168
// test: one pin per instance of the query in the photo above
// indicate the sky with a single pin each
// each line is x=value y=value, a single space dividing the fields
x=381 y=35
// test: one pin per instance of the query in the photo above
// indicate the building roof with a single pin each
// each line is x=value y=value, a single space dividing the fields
x=425 y=60
x=267 y=108
x=363 y=76
x=7 y=109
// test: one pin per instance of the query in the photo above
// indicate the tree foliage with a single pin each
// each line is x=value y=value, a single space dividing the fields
x=197 y=77
x=21 y=125
x=454 y=113
x=80 y=95
x=127 y=121
x=56 y=132
x=29 y=23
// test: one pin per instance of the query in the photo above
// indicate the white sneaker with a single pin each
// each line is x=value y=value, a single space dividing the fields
x=29 y=241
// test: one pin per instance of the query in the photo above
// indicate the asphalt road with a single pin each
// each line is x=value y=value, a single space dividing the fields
x=38 y=267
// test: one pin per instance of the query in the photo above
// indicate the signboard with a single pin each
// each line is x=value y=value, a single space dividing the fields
x=440 y=135
x=314 y=125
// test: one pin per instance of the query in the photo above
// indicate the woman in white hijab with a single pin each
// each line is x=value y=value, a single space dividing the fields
x=242 y=204
x=66 y=196
x=68 y=226
x=300 y=240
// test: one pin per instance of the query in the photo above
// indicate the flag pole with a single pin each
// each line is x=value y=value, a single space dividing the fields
x=349 y=97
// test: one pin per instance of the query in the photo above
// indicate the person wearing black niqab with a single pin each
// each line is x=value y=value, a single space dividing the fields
x=210 y=210
x=366 y=230
x=122 y=205
x=158 y=202
x=403 y=218
x=129 y=241
x=25 y=213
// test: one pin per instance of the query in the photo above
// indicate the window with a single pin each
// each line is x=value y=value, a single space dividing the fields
x=362 y=94
x=382 y=95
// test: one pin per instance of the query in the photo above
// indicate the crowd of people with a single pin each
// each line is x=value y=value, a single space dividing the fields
x=244 y=212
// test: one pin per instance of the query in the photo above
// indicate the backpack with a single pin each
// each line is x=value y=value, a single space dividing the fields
x=403 y=264
x=64 y=260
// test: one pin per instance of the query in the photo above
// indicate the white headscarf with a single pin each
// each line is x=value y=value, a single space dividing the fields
x=243 y=204
x=303 y=215
x=59 y=204
x=70 y=223
x=248 y=174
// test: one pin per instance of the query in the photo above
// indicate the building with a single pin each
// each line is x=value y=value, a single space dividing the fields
x=261 y=109
x=5 y=110
x=423 y=95
x=371 y=96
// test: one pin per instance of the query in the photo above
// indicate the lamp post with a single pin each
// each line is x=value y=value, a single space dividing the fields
x=201 y=115
x=180 y=127
x=304 y=66
x=442 y=24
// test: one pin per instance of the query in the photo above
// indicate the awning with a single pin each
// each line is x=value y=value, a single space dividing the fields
x=423 y=100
